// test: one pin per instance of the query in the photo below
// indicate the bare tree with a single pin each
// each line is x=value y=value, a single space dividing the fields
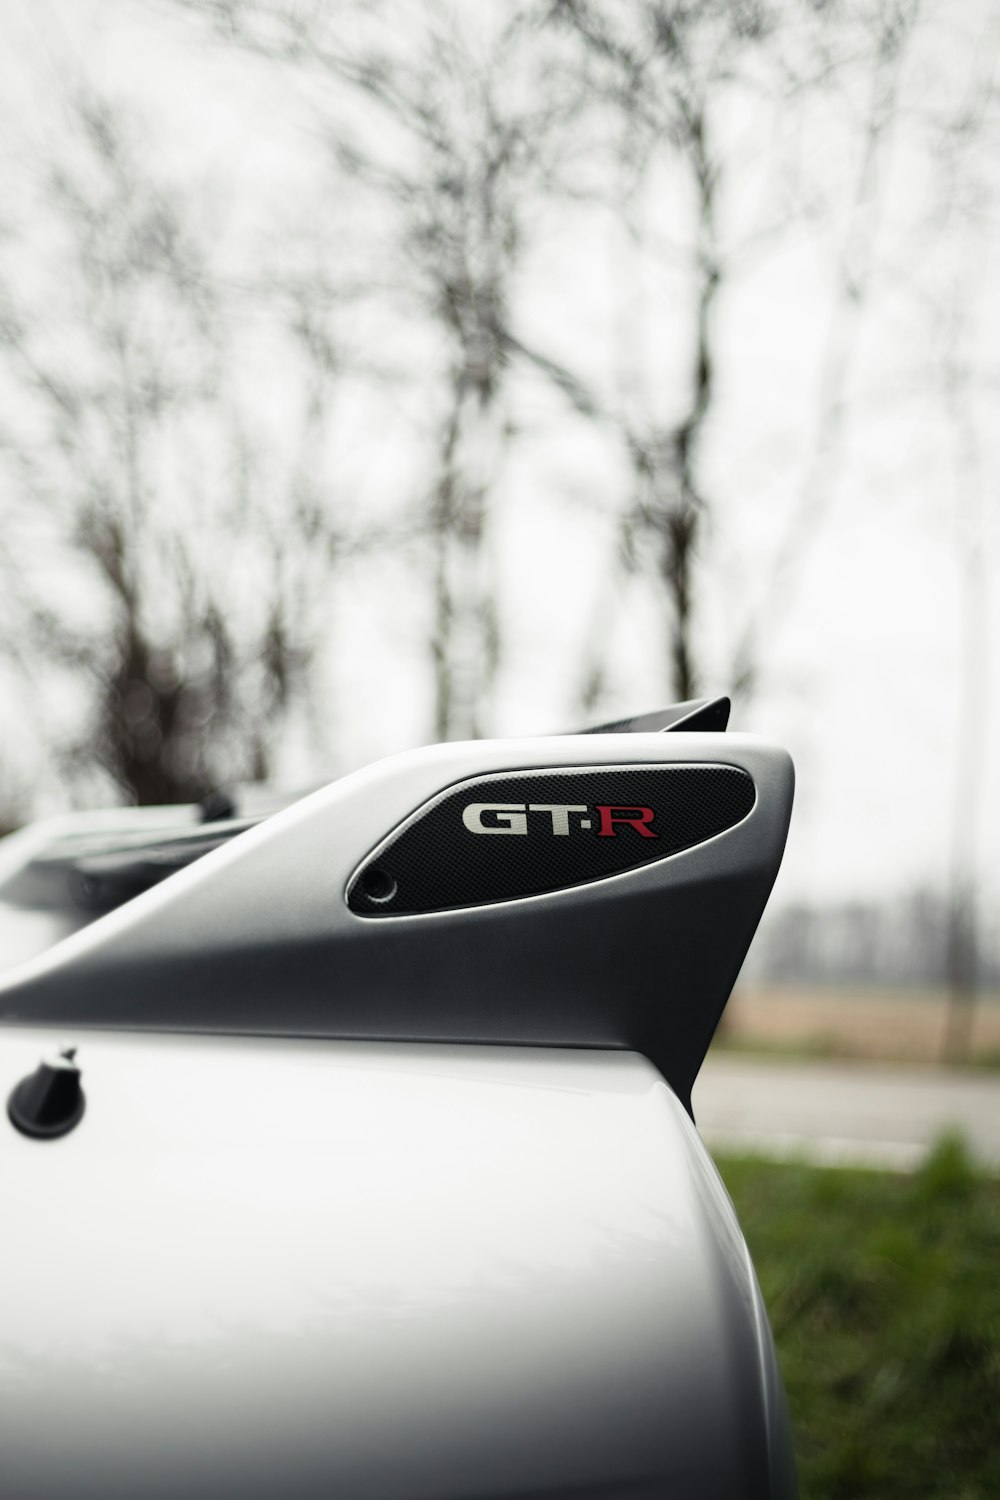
x=449 y=130
x=877 y=45
x=128 y=457
x=973 y=717
x=665 y=76
x=659 y=73
x=967 y=209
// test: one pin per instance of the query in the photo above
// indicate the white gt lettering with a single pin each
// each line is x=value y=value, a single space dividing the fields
x=511 y=817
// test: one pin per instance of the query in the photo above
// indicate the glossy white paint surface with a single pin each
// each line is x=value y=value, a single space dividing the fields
x=291 y=1268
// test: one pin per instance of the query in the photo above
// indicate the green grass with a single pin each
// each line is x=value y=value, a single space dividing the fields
x=884 y=1296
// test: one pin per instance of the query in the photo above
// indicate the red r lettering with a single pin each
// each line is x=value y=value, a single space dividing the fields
x=638 y=818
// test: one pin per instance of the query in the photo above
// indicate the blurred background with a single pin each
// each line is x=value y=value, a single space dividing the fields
x=377 y=373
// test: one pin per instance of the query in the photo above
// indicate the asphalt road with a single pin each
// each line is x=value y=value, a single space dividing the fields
x=879 y=1114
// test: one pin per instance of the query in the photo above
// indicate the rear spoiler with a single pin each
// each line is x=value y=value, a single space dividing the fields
x=590 y=890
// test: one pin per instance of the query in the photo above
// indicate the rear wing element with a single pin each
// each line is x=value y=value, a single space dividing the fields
x=592 y=890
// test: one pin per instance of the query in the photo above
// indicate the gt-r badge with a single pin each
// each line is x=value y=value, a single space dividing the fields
x=510 y=835
x=512 y=818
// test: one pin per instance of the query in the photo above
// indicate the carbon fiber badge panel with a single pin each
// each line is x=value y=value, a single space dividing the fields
x=503 y=837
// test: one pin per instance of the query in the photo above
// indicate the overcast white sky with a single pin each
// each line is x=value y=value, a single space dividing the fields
x=863 y=670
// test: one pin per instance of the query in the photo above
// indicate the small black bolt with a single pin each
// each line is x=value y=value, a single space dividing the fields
x=378 y=884
x=50 y=1102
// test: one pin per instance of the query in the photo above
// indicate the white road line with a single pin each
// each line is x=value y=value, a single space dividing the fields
x=832 y=1151
x=842 y=1112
